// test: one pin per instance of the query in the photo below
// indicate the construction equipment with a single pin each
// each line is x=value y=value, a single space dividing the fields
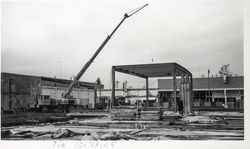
x=67 y=99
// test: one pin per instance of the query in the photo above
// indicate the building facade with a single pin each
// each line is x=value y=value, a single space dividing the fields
x=213 y=92
x=208 y=93
x=22 y=91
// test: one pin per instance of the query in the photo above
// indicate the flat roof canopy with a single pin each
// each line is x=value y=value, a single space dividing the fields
x=152 y=70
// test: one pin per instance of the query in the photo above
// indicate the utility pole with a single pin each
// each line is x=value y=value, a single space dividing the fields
x=208 y=72
x=213 y=88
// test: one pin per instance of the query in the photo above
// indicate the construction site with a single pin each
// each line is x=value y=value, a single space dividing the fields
x=181 y=107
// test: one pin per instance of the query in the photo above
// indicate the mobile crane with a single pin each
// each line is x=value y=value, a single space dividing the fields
x=68 y=102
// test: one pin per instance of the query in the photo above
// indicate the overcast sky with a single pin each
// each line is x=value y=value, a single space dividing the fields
x=57 y=38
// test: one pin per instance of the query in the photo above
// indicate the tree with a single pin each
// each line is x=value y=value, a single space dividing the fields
x=224 y=70
x=98 y=81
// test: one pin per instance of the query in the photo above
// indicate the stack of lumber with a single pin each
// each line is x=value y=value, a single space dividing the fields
x=123 y=113
x=150 y=115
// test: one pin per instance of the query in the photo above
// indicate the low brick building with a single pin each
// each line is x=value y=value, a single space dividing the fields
x=22 y=91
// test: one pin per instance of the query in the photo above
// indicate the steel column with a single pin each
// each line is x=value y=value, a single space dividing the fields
x=113 y=87
x=146 y=91
x=174 y=106
x=192 y=93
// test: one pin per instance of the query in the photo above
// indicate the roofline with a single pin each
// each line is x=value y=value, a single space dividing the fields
x=205 y=89
x=205 y=77
x=19 y=74
x=64 y=88
x=132 y=89
x=178 y=66
x=44 y=77
x=59 y=79
x=184 y=69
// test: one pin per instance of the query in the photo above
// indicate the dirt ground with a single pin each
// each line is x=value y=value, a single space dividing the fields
x=201 y=126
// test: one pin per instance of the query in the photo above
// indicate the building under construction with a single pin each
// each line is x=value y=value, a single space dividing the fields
x=170 y=117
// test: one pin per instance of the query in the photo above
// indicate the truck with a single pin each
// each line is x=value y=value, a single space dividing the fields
x=47 y=103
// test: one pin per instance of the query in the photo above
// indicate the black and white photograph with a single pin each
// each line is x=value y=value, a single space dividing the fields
x=92 y=70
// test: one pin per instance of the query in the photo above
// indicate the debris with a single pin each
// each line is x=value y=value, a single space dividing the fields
x=63 y=133
x=124 y=113
x=74 y=121
x=170 y=113
x=238 y=114
x=89 y=136
x=150 y=115
x=114 y=135
x=128 y=137
x=171 y=123
x=187 y=128
x=198 y=119
x=135 y=132
x=117 y=135
x=20 y=132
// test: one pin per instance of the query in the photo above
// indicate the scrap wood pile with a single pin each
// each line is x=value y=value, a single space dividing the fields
x=124 y=113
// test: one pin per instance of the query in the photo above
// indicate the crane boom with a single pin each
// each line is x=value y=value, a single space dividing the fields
x=85 y=67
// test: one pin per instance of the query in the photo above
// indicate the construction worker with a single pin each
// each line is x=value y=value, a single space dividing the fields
x=161 y=113
x=180 y=107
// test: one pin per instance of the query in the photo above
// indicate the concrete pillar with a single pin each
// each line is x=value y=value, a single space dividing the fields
x=174 y=106
x=225 y=96
x=146 y=91
x=113 y=87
